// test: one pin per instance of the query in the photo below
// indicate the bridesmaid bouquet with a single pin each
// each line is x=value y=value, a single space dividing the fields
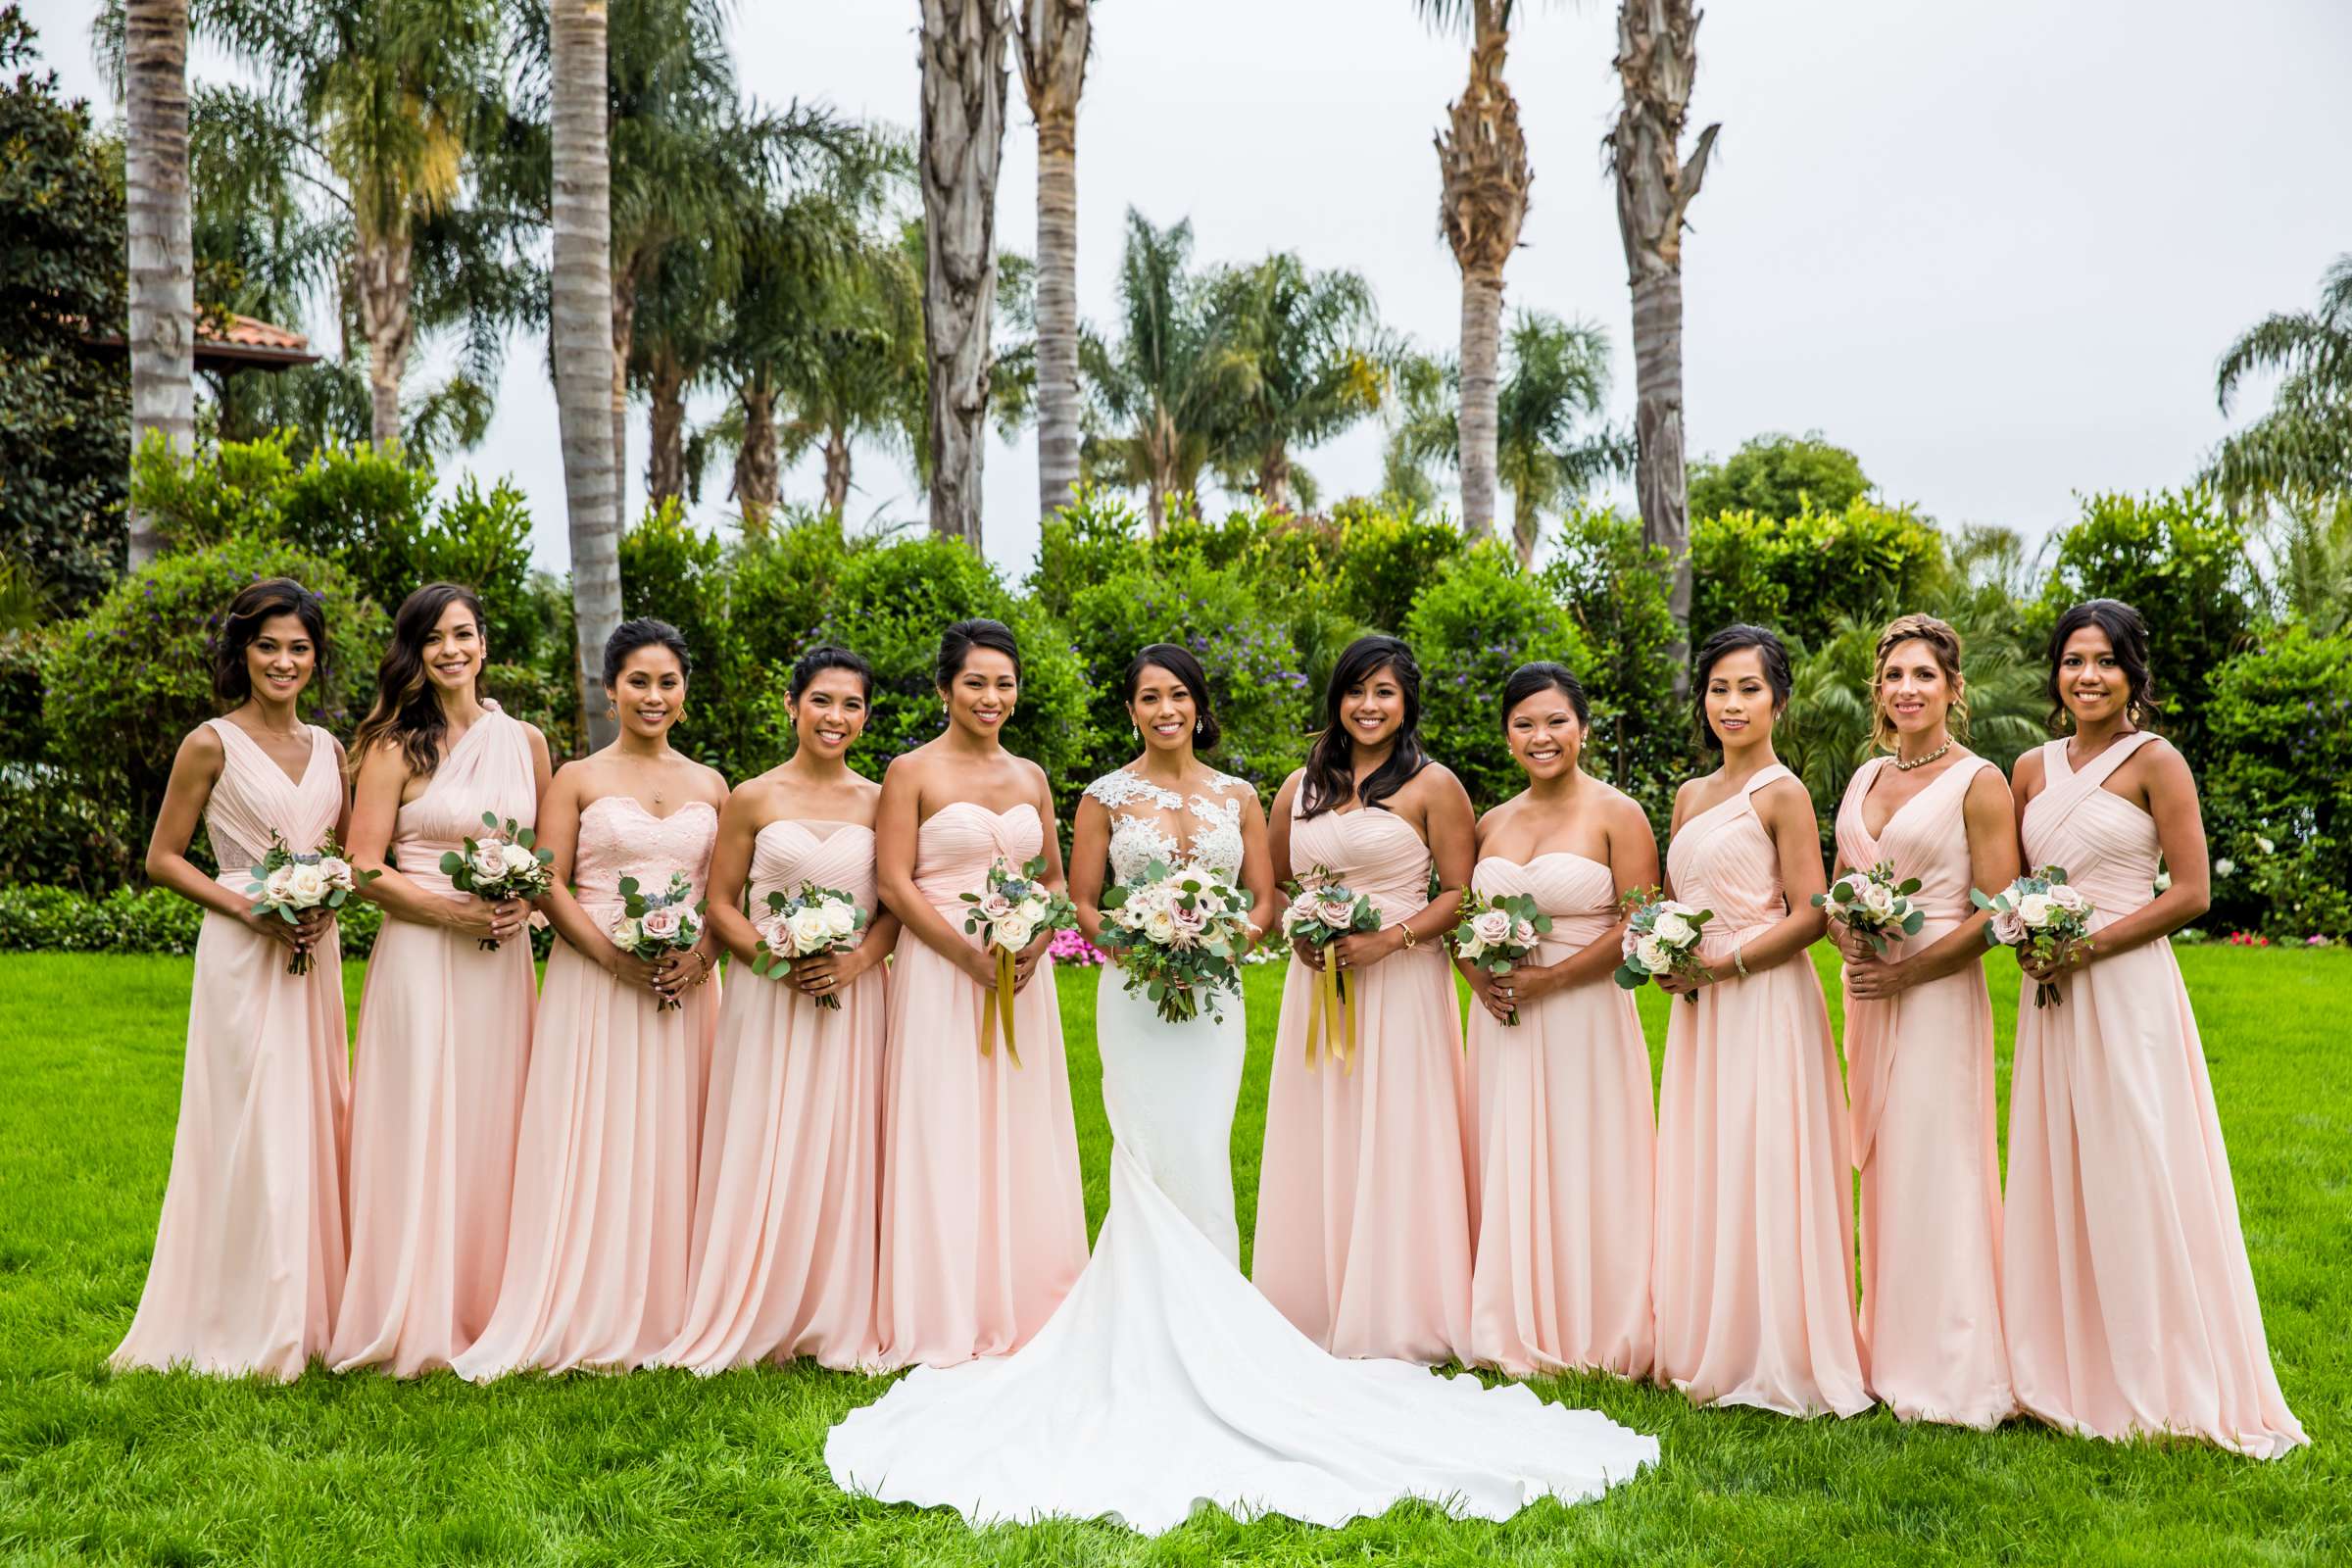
x=655 y=925
x=1321 y=912
x=1661 y=937
x=290 y=885
x=1007 y=915
x=810 y=921
x=1874 y=904
x=1179 y=935
x=2039 y=914
x=1496 y=933
x=503 y=863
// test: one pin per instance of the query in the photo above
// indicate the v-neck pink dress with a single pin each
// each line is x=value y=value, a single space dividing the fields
x=249 y=1255
x=1755 y=1255
x=1925 y=1139
x=2126 y=1292
x=1566 y=1146
x=787 y=1213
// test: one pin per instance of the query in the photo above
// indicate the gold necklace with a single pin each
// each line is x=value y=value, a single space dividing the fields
x=1902 y=766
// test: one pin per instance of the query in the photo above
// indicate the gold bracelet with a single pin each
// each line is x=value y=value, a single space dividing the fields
x=1409 y=937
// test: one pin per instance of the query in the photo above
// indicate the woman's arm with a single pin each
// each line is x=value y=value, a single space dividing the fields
x=374 y=816
x=1257 y=871
x=195 y=770
x=1632 y=863
x=682 y=971
x=1453 y=848
x=1991 y=825
x=739 y=825
x=1787 y=811
x=896 y=821
x=559 y=833
x=1025 y=963
x=2172 y=800
x=1090 y=861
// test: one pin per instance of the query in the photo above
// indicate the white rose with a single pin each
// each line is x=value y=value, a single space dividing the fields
x=2224 y=866
x=273 y=886
x=1014 y=933
x=2035 y=909
x=517 y=859
x=1493 y=927
x=1878 y=898
x=305 y=885
x=810 y=931
x=1160 y=926
x=841 y=916
x=1033 y=911
x=2164 y=881
x=1653 y=954
x=2008 y=929
x=623 y=932
x=489 y=860
x=2073 y=901
x=1673 y=930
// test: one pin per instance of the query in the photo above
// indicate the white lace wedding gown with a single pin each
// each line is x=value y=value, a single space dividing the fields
x=1165 y=1382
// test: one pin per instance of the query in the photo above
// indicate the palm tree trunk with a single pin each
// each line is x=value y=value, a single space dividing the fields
x=1274 y=477
x=1481 y=423
x=624 y=331
x=837 y=469
x=756 y=467
x=963 y=83
x=1054 y=39
x=382 y=280
x=1527 y=523
x=161 y=250
x=582 y=338
x=665 y=459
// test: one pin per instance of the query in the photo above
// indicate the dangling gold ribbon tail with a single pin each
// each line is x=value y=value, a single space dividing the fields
x=1314 y=1014
x=1000 y=1006
x=1343 y=1021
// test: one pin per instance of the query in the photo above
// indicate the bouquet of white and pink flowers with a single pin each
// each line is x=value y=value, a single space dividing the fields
x=1179 y=935
x=1496 y=933
x=809 y=921
x=654 y=925
x=1007 y=915
x=290 y=885
x=1661 y=937
x=1874 y=904
x=503 y=863
x=1321 y=912
x=2039 y=914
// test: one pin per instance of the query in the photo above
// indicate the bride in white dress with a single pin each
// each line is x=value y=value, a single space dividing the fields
x=1165 y=1382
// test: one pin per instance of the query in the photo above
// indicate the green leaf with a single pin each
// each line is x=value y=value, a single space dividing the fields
x=452 y=863
x=490 y=821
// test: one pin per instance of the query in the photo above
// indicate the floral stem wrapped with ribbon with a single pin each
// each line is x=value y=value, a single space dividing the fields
x=810 y=921
x=503 y=863
x=1874 y=904
x=655 y=925
x=2040 y=913
x=1007 y=915
x=1661 y=937
x=1497 y=934
x=290 y=886
x=1322 y=911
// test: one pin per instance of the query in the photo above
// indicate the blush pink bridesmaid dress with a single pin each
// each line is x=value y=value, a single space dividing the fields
x=605 y=1166
x=983 y=1216
x=249 y=1255
x=445 y=1039
x=1365 y=1194
x=787 y=1213
x=1925 y=1133
x=1755 y=1223
x=1566 y=1148
x=2125 y=1290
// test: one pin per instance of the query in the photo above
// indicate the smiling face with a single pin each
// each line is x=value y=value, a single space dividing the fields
x=282 y=658
x=983 y=694
x=649 y=692
x=830 y=711
x=1544 y=735
x=1914 y=692
x=2091 y=682
x=1739 y=702
x=454 y=650
x=1373 y=709
x=1164 y=709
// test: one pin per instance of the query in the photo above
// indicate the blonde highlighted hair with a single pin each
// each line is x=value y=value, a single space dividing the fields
x=1946 y=643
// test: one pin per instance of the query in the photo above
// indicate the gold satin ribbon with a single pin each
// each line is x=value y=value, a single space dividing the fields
x=1002 y=1003
x=1329 y=1017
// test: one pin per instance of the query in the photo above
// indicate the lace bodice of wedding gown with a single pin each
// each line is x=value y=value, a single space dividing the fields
x=1212 y=820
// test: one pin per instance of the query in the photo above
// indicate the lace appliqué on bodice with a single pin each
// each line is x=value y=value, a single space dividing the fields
x=1137 y=841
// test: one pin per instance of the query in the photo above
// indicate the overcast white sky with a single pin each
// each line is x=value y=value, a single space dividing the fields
x=1994 y=248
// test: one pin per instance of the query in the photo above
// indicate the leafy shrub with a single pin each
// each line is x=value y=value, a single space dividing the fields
x=50 y=919
x=1478 y=621
x=1384 y=562
x=1096 y=536
x=22 y=739
x=55 y=830
x=1613 y=586
x=1779 y=476
x=674 y=571
x=2280 y=736
x=1802 y=574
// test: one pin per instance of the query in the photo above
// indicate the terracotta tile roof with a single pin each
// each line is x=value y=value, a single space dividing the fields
x=246 y=332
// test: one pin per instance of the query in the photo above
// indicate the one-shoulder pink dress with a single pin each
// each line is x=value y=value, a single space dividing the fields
x=612 y=1128
x=787 y=1213
x=445 y=1039
x=2125 y=1290
x=1365 y=1193
x=1566 y=1147
x=983 y=1214
x=249 y=1255
x=1925 y=1135
x=1755 y=1219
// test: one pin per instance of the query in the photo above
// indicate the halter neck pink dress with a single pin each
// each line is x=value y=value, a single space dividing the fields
x=249 y=1253
x=787 y=1212
x=2126 y=1292
x=1364 y=1207
x=612 y=1128
x=983 y=1216
x=1925 y=1132
x=1565 y=1149
x=445 y=1039
x=1755 y=1256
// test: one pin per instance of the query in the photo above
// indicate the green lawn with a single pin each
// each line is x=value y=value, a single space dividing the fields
x=662 y=1468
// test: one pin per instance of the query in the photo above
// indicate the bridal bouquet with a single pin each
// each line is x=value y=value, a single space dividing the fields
x=504 y=864
x=809 y=921
x=1321 y=912
x=1661 y=937
x=1874 y=904
x=1496 y=933
x=290 y=885
x=1007 y=915
x=1179 y=935
x=654 y=925
x=2039 y=914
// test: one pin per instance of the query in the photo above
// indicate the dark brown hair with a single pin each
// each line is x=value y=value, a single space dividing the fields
x=242 y=621
x=1730 y=640
x=1330 y=780
x=2127 y=633
x=407 y=708
x=1179 y=662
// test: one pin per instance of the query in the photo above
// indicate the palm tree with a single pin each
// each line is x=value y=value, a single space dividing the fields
x=963 y=83
x=2302 y=447
x=1160 y=390
x=1658 y=57
x=1482 y=157
x=1056 y=38
x=162 y=254
x=1303 y=356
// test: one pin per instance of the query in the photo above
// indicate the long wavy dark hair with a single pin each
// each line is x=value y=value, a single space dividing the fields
x=2128 y=633
x=408 y=711
x=1330 y=780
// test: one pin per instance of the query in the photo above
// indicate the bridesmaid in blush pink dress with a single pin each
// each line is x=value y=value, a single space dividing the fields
x=983 y=1216
x=249 y=1255
x=1755 y=1222
x=1366 y=1195
x=1560 y=1068
x=445 y=1025
x=2127 y=1293
x=1919 y=1045
x=787 y=1213
x=605 y=1166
